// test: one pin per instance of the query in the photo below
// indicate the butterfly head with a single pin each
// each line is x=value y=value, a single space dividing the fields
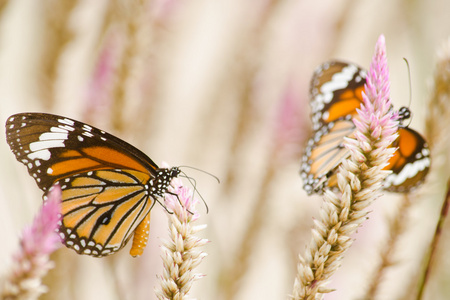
x=404 y=113
x=174 y=172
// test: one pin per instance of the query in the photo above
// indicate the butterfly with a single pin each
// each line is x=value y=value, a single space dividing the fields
x=336 y=92
x=108 y=186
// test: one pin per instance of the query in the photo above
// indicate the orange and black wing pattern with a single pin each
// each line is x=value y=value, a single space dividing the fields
x=336 y=93
x=108 y=186
x=410 y=163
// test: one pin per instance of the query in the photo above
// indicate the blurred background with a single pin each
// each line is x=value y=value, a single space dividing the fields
x=222 y=86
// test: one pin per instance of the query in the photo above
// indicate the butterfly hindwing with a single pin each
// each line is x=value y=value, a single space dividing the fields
x=410 y=163
x=101 y=208
x=324 y=153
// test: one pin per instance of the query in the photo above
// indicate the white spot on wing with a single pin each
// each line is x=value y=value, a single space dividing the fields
x=87 y=127
x=65 y=127
x=58 y=129
x=88 y=134
x=47 y=136
x=41 y=154
x=66 y=121
x=41 y=145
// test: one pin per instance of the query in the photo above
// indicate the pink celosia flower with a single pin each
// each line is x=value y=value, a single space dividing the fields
x=359 y=179
x=32 y=262
x=186 y=212
x=182 y=253
x=376 y=115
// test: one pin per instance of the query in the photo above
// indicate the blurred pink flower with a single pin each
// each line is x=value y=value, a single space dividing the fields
x=38 y=241
x=99 y=99
x=291 y=129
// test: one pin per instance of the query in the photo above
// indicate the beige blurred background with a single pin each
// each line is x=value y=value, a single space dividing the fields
x=219 y=85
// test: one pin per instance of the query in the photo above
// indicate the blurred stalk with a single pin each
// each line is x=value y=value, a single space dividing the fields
x=429 y=259
x=57 y=35
x=232 y=275
x=397 y=226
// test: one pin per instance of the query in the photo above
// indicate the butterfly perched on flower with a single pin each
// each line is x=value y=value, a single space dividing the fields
x=108 y=186
x=336 y=93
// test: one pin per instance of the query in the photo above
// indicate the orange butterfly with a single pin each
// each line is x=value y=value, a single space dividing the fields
x=336 y=92
x=108 y=186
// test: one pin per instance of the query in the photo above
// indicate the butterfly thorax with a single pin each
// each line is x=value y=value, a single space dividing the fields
x=158 y=185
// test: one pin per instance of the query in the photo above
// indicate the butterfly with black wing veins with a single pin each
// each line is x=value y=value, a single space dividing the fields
x=336 y=93
x=108 y=186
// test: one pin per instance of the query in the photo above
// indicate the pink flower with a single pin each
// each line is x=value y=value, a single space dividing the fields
x=376 y=113
x=38 y=241
x=377 y=124
x=182 y=253
x=186 y=212
x=290 y=125
x=359 y=179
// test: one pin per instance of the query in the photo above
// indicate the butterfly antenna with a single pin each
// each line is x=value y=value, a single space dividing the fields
x=409 y=78
x=179 y=201
x=200 y=170
x=410 y=86
x=193 y=182
x=163 y=205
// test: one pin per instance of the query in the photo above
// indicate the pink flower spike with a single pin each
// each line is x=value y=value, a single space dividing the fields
x=377 y=86
x=38 y=241
x=376 y=120
x=186 y=211
x=182 y=253
x=42 y=232
x=360 y=177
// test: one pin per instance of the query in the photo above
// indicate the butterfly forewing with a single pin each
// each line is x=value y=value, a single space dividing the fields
x=108 y=186
x=335 y=92
x=54 y=147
